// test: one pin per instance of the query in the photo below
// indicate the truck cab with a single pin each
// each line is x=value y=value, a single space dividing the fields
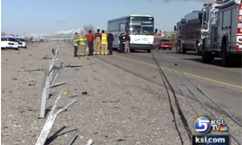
x=221 y=31
x=188 y=33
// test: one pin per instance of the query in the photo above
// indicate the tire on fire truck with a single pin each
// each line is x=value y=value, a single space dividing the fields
x=207 y=57
x=178 y=47
x=197 y=48
x=224 y=53
x=183 y=49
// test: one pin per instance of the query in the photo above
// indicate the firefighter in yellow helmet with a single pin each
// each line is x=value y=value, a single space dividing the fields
x=83 y=43
x=104 y=43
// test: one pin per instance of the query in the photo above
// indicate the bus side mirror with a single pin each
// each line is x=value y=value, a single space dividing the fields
x=175 y=28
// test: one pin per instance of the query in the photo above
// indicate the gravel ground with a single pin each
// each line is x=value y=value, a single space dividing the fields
x=119 y=109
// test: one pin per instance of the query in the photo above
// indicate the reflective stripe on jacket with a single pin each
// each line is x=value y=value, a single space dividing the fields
x=76 y=40
x=83 y=39
x=104 y=38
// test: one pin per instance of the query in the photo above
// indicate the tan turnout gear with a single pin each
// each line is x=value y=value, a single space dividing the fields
x=76 y=40
x=97 y=45
x=83 y=42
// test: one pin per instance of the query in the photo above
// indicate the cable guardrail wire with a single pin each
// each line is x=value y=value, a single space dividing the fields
x=166 y=84
x=201 y=92
x=181 y=92
x=184 y=121
x=207 y=96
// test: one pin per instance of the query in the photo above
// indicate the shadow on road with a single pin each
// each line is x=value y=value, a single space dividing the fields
x=9 y=49
x=139 y=51
x=187 y=53
x=136 y=51
x=217 y=62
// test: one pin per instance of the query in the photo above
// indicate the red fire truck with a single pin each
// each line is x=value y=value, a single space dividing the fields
x=188 y=33
x=222 y=31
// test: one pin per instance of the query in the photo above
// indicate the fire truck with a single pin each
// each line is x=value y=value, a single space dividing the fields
x=188 y=32
x=222 y=31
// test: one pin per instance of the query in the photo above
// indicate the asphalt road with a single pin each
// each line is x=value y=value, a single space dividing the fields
x=185 y=72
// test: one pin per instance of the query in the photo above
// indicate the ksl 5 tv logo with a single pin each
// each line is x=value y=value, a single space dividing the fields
x=204 y=125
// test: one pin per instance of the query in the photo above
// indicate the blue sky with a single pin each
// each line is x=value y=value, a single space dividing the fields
x=40 y=16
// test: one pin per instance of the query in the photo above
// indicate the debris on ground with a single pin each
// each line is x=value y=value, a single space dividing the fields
x=119 y=140
x=89 y=142
x=65 y=93
x=111 y=101
x=14 y=79
x=74 y=65
x=46 y=57
x=36 y=69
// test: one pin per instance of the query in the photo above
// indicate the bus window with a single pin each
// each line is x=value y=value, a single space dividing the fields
x=142 y=26
x=122 y=27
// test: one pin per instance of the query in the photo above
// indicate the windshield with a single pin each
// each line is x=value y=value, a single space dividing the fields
x=20 y=39
x=3 y=39
x=142 y=26
x=12 y=39
x=165 y=40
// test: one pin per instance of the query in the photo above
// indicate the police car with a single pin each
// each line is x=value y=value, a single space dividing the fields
x=9 y=42
x=22 y=42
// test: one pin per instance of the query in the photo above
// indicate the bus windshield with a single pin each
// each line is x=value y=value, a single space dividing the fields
x=142 y=26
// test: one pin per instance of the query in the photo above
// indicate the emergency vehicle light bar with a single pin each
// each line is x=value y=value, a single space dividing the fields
x=208 y=4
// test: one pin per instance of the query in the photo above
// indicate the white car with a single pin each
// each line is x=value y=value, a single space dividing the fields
x=8 y=42
x=21 y=43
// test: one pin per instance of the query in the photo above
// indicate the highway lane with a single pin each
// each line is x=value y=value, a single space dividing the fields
x=221 y=84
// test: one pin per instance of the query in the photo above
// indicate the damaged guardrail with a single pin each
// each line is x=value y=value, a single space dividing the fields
x=50 y=77
x=49 y=80
x=51 y=120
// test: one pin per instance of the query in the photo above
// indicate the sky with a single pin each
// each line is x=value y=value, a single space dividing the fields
x=25 y=17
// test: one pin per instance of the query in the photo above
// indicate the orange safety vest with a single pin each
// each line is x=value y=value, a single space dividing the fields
x=104 y=38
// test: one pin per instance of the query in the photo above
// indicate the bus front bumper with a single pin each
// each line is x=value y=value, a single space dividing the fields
x=141 y=46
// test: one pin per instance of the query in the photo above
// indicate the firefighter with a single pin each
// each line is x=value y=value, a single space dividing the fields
x=110 y=43
x=83 y=41
x=104 y=43
x=75 y=43
x=90 y=38
x=98 y=37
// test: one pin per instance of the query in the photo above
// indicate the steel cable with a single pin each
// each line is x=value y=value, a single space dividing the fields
x=203 y=93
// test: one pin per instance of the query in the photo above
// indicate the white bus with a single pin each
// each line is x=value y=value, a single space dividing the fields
x=140 y=29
